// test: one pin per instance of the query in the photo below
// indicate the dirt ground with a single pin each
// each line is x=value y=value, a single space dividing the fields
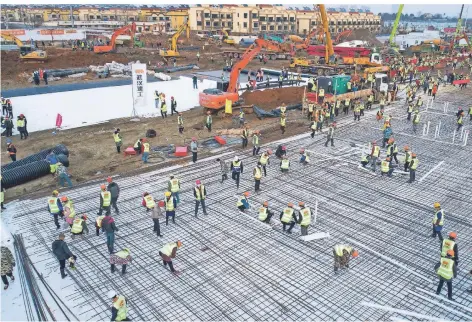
x=365 y=35
x=272 y=98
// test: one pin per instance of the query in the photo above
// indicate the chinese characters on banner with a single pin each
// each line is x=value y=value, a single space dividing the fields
x=139 y=75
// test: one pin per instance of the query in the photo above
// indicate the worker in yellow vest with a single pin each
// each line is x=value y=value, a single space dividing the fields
x=407 y=158
x=374 y=155
x=288 y=218
x=392 y=149
x=349 y=86
x=283 y=109
x=200 y=194
x=470 y=113
x=264 y=213
x=448 y=244
x=20 y=126
x=168 y=252
x=79 y=226
x=321 y=95
x=244 y=136
x=174 y=187
x=413 y=165
x=438 y=221
x=98 y=224
x=119 y=311
x=170 y=204
x=105 y=200
x=255 y=142
x=264 y=160
x=2 y=195
x=180 y=122
x=304 y=158
x=208 y=121
x=257 y=176
x=283 y=122
x=342 y=255
x=304 y=218
x=386 y=167
x=446 y=270
x=460 y=121
x=148 y=202
x=137 y=146
x=123 y=258
x=146 y=150
x=243 y=202
x=284 y=164
x=118 y=140
x=382 y=101
x=55 y=207
x=68 y=210
x=163 y=109
x=313 y=128
x=416 y=121
x=370 y=101
x=241 y=117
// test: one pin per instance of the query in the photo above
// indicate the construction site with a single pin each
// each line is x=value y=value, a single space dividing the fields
x=230 y=264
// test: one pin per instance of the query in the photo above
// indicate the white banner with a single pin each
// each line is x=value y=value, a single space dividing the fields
x=139 y=75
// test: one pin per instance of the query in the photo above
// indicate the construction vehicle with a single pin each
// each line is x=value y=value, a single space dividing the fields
x=391 y=40
x=273 y=38
x=306 y=42
x=329 y=51
x=126 y=30
x=227 y=39
x=274 y=50
x=374 y=60
x=173 y=50
x=27 y=52
x=138 y=43
x=344 y=34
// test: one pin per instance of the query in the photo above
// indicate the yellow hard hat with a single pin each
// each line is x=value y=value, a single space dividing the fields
x=55 y=193
x=437 y=205
x=167 y=193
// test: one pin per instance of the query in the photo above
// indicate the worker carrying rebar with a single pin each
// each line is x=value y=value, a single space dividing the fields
x=105 y=200
x=257 y=173
x=109 y=227
x=448 y=244
x=446 y=270
x=118 y=140
x=200 y=194
x=168 y=252
x=255 y=143
x=264 y=160
x=413 y=165
x=236 y=170
x=283 y=123
x=244 y=136
x=304 y=157
x=119 y=311
x=243 y=202
x=55 y=207
x=416 y=121
x=61 y=251
x=288 y=218
x=264 y=213
x=386 y=167
x=174 y=187
x=284 y=164
x=123 y=258
x=392 y=149
x=223 y=169
x=304 y=218
x=171 y=204
x=342 y=255
x=180 y=122
x=438 y=221
x=374 y=155
x=68 y=210
x=79 y=226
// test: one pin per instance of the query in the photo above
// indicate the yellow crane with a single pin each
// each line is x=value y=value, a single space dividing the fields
x=173 y=50
x=27 y=52
x=329 y=42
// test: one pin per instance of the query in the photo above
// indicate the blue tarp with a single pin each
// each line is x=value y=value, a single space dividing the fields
x=275 y=112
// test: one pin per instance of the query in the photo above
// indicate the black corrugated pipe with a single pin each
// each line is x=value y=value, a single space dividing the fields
x=25 y=173
x=58 y=149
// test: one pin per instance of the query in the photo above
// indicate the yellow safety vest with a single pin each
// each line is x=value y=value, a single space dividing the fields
x=285 y=164
x=137 y=144
x=382 y=101
x=364 y=159
x=435 y=218
x=167 y=249
x=262 y=213
x=122 y=254
x=306 y=216
x=307 y=158
x=376 y=151
x=384 y=167
x=447 y=244
x=347 y=102
x=340 y=248
x=287 y=215
x=244 y=134
x=258 y=173
x=283 y=109
x=241 y=115
x=240 y=201
x=236 y=166
x=146 y=147
x=149 y=200
x=120 y=305
x=163 y=107
x=156 y=97
x=415 y=164
x=200 y=192
x=69 y=205
x=407 y=157
x=416 y=120
x=459 y=121
x=410 y=108
x=313 y=126
x=282 y=121
x=445 y=270
x=371 y=98
x=170 y=204
x=99 y=221
x=106 y=196
x=117 y=137
x=76 y=226
x=321 y=92
x=20 y=123
x=348 y=85
x=255 y=140
x=174 y=185
x=310 y=108
x=53 y=207
x=180 y=120
x=338 y=104
x=419 y=103
x=209 y=119
x=264 y=158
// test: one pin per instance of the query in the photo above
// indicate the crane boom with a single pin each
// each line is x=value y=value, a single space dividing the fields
x=391 y=40
x=10 y=37
x=176 y=36
x=459 y=22
x=329 y=42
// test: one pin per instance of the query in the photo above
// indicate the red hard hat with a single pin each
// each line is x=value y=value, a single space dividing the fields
x=172 y=97
x=194 y=139
x=198 y=182
x=21 y=115
x=109 y=179
x=161 y=203
x=284 y=148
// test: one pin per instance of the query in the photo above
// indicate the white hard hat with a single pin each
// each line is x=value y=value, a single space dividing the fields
x=111 y=294
x=235 y=159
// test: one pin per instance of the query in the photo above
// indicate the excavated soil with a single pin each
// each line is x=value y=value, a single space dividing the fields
x=272 y=98
x=365 y=35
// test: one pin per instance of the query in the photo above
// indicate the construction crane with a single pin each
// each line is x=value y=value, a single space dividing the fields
x=329 y=43
x=126 y=30
x=173 y=51
x=346 y=33
x=391 y=40
x=459 y=22
x=27 y=52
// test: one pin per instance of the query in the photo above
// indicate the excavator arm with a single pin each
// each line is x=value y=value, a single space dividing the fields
x=10 y=37
x=248 y=55
x=126 y=30
x=175 y=37
x=345 y=33
x=329 y=42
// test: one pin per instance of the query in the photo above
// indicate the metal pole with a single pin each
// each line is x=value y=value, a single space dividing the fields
x=465 y=138
x=462 y=132
x=424 y=129
x=439 y=128
x=427 y=129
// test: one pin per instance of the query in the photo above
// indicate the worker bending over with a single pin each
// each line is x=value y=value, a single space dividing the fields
x=287 y=217
x=119 y=311
x=168 y=252
x=264 y=213
x=342 y=255
x=304 y=218
x=386 y=167
x=304 y=158
x=243 y=202
x=79 y=226
x=123 y=258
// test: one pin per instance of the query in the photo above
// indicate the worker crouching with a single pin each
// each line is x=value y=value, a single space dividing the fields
x=79 y=226
x=123 y=258
x=304 y=158
x=264 y=213
x=168 y=252
x=243 y=202
x=287 y=217
x=119 y=311
x=342 y=255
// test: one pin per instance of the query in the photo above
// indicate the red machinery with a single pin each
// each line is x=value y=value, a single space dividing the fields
x=126 y=30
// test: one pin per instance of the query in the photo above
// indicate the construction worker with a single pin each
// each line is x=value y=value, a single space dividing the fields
x=223 y=169
x=416 y=121
x=392 y=149
x=123 y=258
x=321 y=95
x=413 y=165
x=105 y=200
x=200 y=194
x=448 y=244
x=438 y=221
x=109 y=227
x=156 y=99
x=304 y=218
x=119 y=311
x=68 y=210
x=241 y=117
x=313 y=127
x=407 y=158
x=148 y=202
x=208 y=121
x=304 y=158
x=387 y=133
x=98 y=224
x=243 y=202
x=370 y=101
x=180 y=122
x=194 y=149
x=114 y=190
x=170 y=204
x=365 y=160
x=409 y=111
x=264 y=213
x=137 y=146
x=283 y=109
x=257 y=176
x=361 y=108
x=163 y=109
x=2 y=195
x=386 y=167
x=168 y=252
x=342 y=255
x=264 y=160
x=382 y=101
x=330 y=134
x=174 y=187
x=236 y=170
x=173 y=106
x=349 y=86
x=79 y=226
x=62 y=253
x=470 y=113
x=244 y=136
x=283 y=123
x=255 y=143
x=8 y=123
x=284 y=164
x=374 y=155
x=20 y=126
x=146 y=150
x=280 y=79
x=446 y=270
x=11 y=150
x=460 y=121
x=287 y=217
x=55 y=207
x=357 y=112
x=118 y=140
x=347 y=106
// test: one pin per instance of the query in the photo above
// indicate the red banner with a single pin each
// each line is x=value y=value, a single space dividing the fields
x=58 y=120
x=51 y=32
x=14 y=32
x=461 y=81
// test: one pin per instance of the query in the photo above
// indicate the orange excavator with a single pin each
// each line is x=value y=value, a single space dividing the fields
x=346 y=33
x=304 y=45
x=215 y=99
x=126 y=30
